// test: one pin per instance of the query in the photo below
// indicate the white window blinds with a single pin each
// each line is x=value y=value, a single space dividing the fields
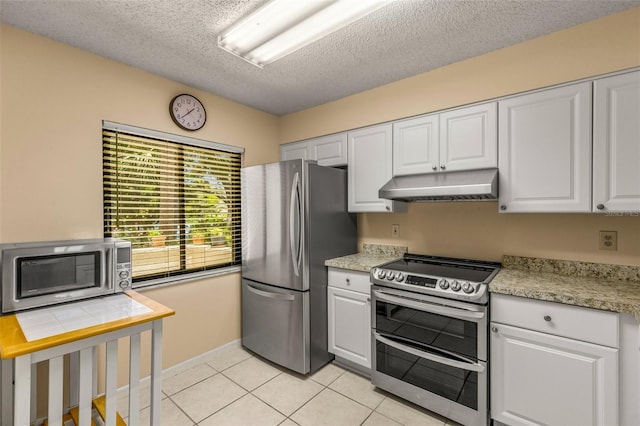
x=176 y=199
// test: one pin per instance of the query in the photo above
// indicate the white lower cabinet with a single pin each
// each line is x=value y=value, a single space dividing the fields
x=349 y=317
x=540 y=378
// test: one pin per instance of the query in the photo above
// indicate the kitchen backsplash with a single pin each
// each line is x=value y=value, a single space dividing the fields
x=384 y=249
x=573 y=268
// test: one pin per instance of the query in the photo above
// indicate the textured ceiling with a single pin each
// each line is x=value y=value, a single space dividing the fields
x=177 y=39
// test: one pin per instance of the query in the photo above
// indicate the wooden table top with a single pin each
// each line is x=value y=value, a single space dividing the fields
x=13 y=342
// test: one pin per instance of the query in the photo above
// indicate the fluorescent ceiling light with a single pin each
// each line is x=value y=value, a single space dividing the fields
x=283 y=26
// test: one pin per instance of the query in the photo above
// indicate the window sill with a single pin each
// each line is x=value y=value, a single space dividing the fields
x=179 y=279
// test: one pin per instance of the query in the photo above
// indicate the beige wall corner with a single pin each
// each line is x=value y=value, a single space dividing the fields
x=608 y=44
x=53 y=100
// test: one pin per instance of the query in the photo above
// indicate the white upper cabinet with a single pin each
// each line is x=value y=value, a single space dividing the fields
x=416 y=145
x=460 y=139
x=616 y=143
x=328 y=150
x=369 y=168
x=294 y=151
x=545 y=151
x=469 y=138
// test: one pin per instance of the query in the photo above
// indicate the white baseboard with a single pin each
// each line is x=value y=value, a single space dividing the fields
x=185 y=365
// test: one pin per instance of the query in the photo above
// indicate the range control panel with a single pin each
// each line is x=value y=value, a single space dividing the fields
x=446 y=287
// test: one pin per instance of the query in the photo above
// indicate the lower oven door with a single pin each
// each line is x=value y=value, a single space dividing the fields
x=431 y=354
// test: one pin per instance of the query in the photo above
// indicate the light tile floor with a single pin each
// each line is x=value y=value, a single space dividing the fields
x=234 y=387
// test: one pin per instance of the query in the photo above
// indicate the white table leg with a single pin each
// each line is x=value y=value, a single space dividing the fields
x=156 y=371
x=34 y=385
x=56 y=368
x=85 y=385
x=22 y=391
x=134 y=379
x=110 y=383
x=74 y=377
x=6 y=391
x=94 y=378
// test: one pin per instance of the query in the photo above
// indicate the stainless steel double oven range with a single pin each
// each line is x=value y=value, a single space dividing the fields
x=429 y=325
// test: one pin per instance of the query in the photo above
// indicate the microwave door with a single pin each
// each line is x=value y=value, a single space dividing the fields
x=273 y=223
x=34 y=277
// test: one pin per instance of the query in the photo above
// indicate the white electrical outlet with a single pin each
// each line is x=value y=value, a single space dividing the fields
x=395 y=231
x=608 y=240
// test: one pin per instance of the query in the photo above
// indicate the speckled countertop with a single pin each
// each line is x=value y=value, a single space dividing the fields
x=371 y=255
x=593 y=285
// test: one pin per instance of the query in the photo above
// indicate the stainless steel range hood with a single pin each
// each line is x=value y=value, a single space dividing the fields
x=463 y=185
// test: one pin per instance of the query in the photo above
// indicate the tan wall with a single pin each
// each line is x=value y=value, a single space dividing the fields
x=476 y=230
x=53 y=100
x=608 y=44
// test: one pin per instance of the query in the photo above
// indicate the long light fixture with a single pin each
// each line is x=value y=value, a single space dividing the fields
x=281 y=27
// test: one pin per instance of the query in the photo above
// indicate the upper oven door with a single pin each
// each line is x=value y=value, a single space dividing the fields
x=455 y=330
x=40 y=276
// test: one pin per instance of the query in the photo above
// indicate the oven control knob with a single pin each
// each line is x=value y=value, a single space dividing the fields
x=123 y=284
x=124 y=274
x=455 y=285
x=380 y=274
x=399 y=277
x=444 y=284
x=468 y=288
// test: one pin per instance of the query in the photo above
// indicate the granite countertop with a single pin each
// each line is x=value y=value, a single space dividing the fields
x=371 y=255
x=592 y=285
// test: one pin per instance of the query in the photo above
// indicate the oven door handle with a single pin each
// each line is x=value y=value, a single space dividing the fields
x=426 y=355
x=430 y=307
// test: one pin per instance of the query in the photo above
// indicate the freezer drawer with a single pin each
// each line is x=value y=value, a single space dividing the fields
x=275 y=324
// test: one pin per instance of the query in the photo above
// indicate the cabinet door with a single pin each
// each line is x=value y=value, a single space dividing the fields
x=545 y=151
x=370 y=164
x=415 y=145
x=469 y=138
x=294 y=151
x=537 y=378
x=616 y=144
x=349 y=319
x=329 y=150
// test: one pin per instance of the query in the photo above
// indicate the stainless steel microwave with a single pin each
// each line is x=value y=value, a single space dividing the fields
x=52 y=272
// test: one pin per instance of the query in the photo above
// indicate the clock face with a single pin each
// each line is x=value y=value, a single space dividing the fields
x=187 y=112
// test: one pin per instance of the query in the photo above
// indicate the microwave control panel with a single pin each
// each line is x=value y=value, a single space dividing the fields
x=123 y=275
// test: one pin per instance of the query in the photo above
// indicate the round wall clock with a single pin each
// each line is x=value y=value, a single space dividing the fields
x=187 y=112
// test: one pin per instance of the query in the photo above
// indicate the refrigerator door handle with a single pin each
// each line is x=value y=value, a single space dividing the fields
x=295 y=227
x=270 y=295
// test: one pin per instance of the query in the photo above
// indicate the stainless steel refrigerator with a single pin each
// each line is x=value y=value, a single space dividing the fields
x=294 y=217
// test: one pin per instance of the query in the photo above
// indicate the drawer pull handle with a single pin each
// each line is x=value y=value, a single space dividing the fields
x=494 y=329
x=348 y=281
x=547 y=318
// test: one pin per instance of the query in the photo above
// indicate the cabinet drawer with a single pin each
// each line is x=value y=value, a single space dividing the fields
x=349 y=280
x=574 y=322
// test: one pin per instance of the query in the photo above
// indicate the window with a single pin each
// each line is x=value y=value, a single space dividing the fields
x=177 y=199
